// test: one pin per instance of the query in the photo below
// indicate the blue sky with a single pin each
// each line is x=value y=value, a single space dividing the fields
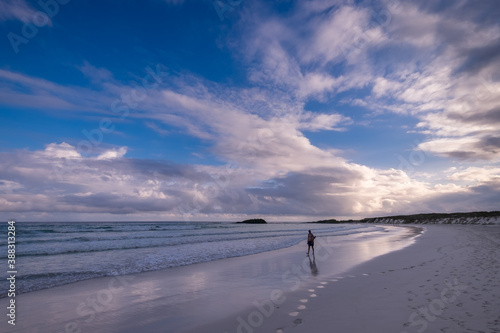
x=222 y=110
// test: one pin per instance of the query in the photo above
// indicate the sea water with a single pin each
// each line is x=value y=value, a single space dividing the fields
x=52 y=254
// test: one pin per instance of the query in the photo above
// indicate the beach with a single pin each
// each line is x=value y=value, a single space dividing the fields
x=402 y=279
x=447 y=281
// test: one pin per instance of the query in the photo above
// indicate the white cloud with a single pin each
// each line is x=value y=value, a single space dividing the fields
x=294 y=54
x=384 y=87
x=316 y=84
x=7 y=186
x=449 y=81
x=61 y=150
x=476 y=174
x=319 y=121
x=113 y=154
x=333 y=37
x=410 y=25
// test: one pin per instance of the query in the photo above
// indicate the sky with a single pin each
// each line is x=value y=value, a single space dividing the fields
x=220 y=110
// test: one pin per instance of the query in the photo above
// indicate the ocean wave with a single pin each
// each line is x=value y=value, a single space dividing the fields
x=92 y=250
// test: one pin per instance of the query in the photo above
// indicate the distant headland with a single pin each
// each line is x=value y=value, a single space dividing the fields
x=492 y=217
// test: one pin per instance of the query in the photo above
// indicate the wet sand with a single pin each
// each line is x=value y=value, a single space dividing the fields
x=194 y=297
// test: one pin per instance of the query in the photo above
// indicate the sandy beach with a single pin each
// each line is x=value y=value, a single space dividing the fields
x=444 y=280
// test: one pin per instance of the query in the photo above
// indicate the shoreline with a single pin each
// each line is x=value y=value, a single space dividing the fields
x=447 y=281
x=184 y=297
x=96 y=258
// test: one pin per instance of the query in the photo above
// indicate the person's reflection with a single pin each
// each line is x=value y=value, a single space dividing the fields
x=312 y=265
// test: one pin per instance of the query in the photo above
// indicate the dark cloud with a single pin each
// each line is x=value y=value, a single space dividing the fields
x=464 y=155
x=485 y=12
x=118 y=204
x=483 y=118
x=483 y=197
x=478 y=58
x=306 y=194
x=490 y=144
x=152 y=168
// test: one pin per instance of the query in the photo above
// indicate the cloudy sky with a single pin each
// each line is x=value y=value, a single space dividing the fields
x=221 y=110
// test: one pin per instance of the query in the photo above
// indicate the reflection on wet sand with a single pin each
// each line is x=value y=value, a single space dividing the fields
x=312 y=265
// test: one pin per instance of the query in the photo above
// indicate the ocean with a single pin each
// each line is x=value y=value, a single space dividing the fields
x=52 y=254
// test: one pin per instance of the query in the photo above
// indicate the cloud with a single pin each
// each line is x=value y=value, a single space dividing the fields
x=8 y=186
x=113 y=153
x=316 y=84
x=476 y=174
x=70 y=184
x=449 y=82
x=483 y=197
x=480 y=57
x=315 y=122
x=295 y=54
x=413 y=26
x=96 y=75
x=62 y=150
x=333 y=36
x=59 y=178
x=413 y=59
x=156 y=128
x=20 y=10
x=20 y=90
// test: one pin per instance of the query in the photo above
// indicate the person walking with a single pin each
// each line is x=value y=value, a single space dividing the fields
x=310 y=242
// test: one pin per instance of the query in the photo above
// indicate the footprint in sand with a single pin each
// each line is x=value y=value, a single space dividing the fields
x=293 y=314
x=334 y=280
x=311 y=290
x=297 y=321
x=304 y=300
x=320 y=287
x=279 y=330
x=324 y=282
x=301 y=307
x=314 y=295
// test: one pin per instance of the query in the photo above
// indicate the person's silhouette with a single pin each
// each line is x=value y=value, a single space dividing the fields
x=310 y=242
